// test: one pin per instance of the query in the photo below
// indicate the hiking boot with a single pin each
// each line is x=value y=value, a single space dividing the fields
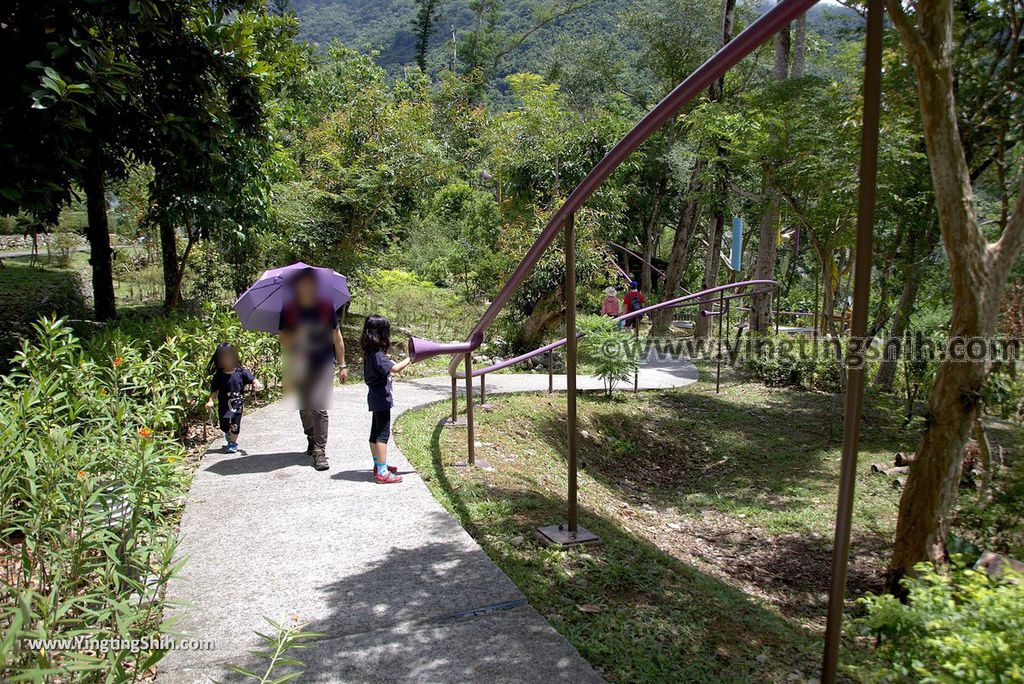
x=320 y=460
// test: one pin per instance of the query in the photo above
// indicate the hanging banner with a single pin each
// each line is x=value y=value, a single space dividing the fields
x=736 y=259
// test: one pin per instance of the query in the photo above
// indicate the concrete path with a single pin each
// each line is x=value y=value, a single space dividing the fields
x=400 y=590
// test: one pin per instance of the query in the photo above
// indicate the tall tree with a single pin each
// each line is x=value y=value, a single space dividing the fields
x=764 y=266
x=111 y=81
x=691 y=25
x=978 y=267
x=208 y=150
x=424 y=27
x=721 y=181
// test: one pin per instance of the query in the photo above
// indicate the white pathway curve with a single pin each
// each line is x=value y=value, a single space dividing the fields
x=400 y=590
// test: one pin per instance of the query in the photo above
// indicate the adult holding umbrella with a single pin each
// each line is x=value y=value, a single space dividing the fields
x=300 y=303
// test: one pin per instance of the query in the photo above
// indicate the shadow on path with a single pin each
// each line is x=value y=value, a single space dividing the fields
x=258 y=463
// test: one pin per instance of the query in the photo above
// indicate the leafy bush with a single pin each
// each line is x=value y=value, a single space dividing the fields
x=91 y=483
x=776 y=369
x=994 y=521
x=28 y=293
x=963 y=627
x=418 y=305
x=607 y=351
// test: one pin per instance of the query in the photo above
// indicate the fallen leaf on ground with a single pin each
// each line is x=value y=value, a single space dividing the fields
x=589 y=608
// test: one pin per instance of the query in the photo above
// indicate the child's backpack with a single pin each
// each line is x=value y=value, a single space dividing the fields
x=634 y=301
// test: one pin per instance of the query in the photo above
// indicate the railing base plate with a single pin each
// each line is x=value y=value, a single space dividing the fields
x=560 y=536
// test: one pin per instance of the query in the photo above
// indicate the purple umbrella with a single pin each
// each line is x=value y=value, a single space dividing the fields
x=259 y=307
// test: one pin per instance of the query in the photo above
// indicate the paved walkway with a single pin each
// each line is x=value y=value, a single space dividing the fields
x=400 y=590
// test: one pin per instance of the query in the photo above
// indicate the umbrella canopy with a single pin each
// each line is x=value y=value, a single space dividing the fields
x=259 y=307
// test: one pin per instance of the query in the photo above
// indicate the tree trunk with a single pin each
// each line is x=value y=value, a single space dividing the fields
x=98 y=234
x=680 y=255
x=646 y=284
x=760 y=304
x=169 y=257
x=715 y=93
x=193 y=237
x=703 y=323
x=799 y=47
x=782 y=54
x=984 y=455
x=978 y=273
x=886 y=373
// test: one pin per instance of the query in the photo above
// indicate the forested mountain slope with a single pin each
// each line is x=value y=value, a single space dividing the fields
x=527 y=31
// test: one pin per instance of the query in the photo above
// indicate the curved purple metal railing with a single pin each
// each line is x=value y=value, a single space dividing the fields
x=686 y=300
x=746 y=42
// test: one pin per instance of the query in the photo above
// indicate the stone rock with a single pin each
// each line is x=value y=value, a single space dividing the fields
x=995 y=565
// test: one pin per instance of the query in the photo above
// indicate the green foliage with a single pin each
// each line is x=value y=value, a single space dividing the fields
x=26 y=294
x=455 y=241
x=362 y=168
x=92 y=482
x=417 y=306
x=287 y=637
x=607 y=351
x=775 y=369
x=994 y=521
x=958 y=627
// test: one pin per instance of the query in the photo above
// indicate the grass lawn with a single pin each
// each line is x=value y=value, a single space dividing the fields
x=715 y=513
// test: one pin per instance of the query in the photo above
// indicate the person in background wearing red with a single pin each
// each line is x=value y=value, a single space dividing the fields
x=633 y=301
x=610 y=305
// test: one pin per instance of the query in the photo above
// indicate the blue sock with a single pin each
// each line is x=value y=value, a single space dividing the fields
x=381 y=468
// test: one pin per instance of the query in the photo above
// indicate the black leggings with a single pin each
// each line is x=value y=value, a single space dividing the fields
x=380 y=426
x=231 y=422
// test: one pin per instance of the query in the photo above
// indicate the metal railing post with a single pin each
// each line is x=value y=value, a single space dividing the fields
x=570 y=365
x=551 y=372
x=483 y=384
x=636 y=371
x=570 y=534
x=455 y=400
x=858 y=329
x=470 y=437
x=721 y=315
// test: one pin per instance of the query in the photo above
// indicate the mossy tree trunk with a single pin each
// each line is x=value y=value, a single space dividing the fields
x=978 y=274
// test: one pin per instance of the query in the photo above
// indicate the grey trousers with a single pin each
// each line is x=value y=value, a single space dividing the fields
x=314 y=398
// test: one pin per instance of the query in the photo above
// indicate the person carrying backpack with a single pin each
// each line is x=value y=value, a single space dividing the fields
x=633 y=301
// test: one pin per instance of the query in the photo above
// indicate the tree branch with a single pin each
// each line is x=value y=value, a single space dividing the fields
x=1005 y=250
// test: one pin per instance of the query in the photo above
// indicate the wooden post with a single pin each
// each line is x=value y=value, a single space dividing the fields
x=858 y=330
x=470 y=436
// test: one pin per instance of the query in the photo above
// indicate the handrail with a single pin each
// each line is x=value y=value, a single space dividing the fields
x=687 y=300
x=627 y=250
x=760 y=31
